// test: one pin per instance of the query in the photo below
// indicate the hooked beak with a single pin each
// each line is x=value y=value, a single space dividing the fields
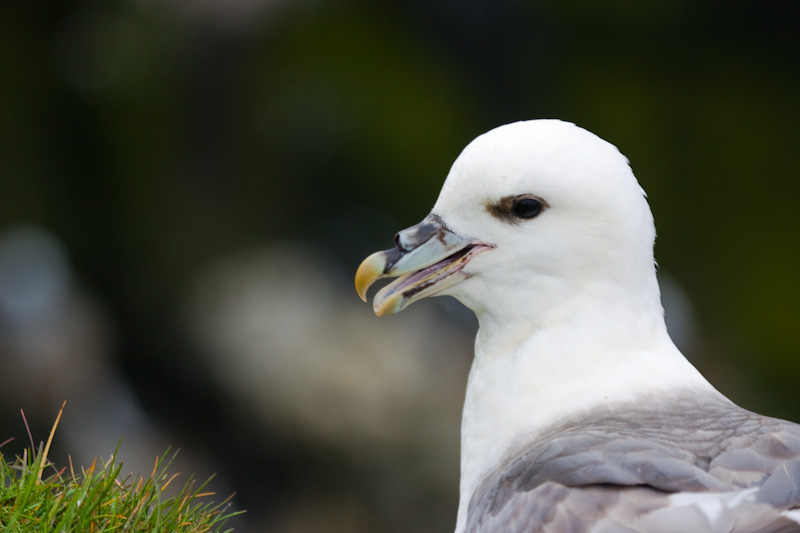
x=428 y=257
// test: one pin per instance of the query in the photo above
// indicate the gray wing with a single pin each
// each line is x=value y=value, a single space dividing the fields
x=610 y=470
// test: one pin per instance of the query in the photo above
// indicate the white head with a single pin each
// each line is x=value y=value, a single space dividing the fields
x=596 y=226
x=592 y=239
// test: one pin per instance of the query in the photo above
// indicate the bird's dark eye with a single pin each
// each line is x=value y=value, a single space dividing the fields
x=526 y=207
x=515 y=209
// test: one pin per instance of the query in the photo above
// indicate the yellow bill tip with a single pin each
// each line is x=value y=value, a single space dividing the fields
x=389 y=306
x=369 y=271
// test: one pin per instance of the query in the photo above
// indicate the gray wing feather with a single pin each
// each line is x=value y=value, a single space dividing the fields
x=781 y=487
x=611 y=468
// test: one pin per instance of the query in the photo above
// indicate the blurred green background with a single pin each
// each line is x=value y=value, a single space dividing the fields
x=187 y=187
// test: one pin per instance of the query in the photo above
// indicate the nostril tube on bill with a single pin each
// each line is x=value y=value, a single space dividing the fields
x=398 y=243
x=415 y=236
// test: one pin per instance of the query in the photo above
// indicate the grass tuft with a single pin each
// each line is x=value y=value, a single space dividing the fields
x=97 y=500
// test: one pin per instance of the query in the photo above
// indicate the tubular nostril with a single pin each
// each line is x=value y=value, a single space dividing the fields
x=411 y=238
x=398 y=243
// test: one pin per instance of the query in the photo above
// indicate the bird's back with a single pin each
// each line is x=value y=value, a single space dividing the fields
x=689 y=464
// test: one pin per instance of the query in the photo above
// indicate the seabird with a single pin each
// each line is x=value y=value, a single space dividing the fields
x=580 y=413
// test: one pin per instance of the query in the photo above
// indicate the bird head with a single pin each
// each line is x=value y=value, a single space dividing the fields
x=532 y=215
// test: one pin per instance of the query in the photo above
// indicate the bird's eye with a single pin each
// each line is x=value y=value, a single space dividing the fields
x=515 y=209
x=526 y=207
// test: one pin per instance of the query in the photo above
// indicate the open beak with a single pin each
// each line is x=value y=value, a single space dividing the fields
x=428 y=258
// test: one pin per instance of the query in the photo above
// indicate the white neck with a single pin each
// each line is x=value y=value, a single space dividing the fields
x=528 y=376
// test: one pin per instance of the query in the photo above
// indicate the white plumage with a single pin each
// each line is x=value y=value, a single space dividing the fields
x=580 y=412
